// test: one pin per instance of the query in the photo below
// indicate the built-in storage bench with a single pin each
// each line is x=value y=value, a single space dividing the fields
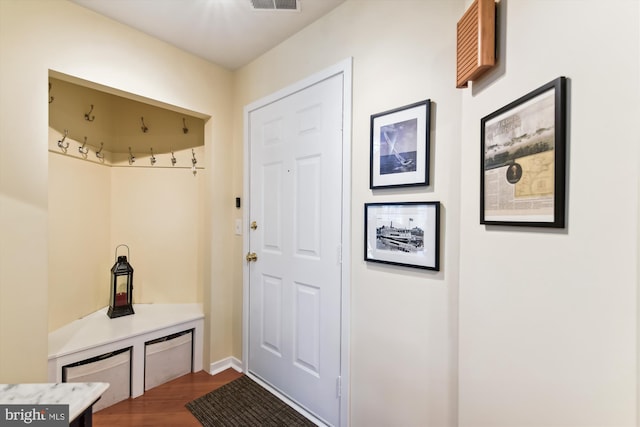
x=113 y=368
x=167 y=358
x=168 y=336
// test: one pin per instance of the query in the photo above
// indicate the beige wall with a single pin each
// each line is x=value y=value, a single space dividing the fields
x=157 y=212
x=547 y=328
x=79 y=223
x=403 y=321
x=548 y=318
x=41 y=35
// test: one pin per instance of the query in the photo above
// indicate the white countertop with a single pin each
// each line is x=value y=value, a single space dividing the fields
x=79 y=396
x=97 y=328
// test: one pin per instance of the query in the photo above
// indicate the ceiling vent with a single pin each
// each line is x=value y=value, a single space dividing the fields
x=275 y=4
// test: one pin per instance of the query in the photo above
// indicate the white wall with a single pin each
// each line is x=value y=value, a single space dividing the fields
x=548 y=328
x=403 y=320
x=41 y=35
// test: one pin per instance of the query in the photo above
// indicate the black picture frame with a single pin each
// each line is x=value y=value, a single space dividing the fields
x=523 y=160
x=400 y=142
x=403 y=233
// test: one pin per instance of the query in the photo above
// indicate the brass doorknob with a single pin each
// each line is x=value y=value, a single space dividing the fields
x=251 y=256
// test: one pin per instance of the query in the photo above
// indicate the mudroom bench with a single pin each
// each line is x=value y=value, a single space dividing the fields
x=96 y=337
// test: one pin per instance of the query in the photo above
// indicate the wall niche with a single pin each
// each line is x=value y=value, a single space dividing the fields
x=122 y=170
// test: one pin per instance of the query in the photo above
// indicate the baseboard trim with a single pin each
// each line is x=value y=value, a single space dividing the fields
x=224 y=364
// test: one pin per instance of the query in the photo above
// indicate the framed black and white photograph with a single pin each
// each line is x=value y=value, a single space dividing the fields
x=523 y=156
x=400 y=146
x=406 y=234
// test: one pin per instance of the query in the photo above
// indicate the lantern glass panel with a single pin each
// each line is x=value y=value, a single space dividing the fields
x=120 y=298
x=121 y=290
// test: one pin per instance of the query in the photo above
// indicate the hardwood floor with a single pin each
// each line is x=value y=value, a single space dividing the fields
x=164 y=405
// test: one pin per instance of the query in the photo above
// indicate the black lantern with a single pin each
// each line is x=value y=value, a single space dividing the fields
x=121 y=287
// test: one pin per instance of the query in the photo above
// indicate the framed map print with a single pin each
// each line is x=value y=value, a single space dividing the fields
x=523 y=156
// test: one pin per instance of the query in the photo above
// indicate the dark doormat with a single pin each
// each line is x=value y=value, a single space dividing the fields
x=243 y=402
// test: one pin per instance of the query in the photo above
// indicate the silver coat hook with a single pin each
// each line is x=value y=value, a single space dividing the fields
x=173 y=159
x=62 y=144
x=50 y=97
x=193 y=161
x=82 y=150
x=131 y=157
x=153 y=158
x=99 y=153
x=185 y=129
x=88 y=117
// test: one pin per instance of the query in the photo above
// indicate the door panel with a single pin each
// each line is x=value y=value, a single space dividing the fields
x=272 y=191
x=307 y=337
x=272 y=314
x=295 y=284
x=307 y=218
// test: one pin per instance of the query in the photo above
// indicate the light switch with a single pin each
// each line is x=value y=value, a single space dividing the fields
x=238 y=227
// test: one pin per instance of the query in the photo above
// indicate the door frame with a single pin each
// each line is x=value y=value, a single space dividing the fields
x=344 y=67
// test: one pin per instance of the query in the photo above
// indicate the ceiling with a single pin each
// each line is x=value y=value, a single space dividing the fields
x=230 y=33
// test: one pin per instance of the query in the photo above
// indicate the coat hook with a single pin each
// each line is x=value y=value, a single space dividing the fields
x=131 y=158
x=193 y=161
x=88 y=117
x=50 y=97
x=82 y=150
x=61 y=142
x=185 y=129
x=99 y=153
x=173 y=158
x=143 y=127
x=153 y=158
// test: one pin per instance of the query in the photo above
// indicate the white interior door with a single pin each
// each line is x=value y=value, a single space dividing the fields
x=295 y=186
